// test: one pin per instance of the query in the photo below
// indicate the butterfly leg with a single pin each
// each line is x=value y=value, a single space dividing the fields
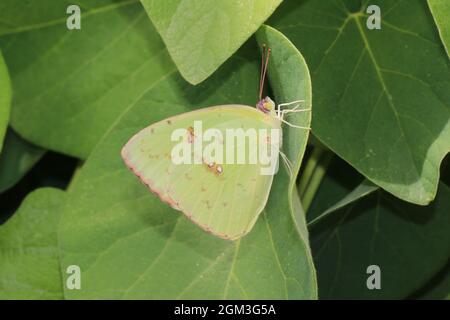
x=284 y=112
x=287 y=163
x=287 y=104
x=294 y=111
x=293 y=125
x=290 y=103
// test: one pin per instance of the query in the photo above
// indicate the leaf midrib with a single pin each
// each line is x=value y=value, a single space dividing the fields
x=386 y=91
x=356 y=16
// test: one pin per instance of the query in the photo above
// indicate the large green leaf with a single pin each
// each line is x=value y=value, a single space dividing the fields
x=83 y=80
x=381 y=97
x=18 y=157
x=409 y=243
x=201 y=34
x=441 y=13
x=131 y=245
x=5 y=99
x=29 y=255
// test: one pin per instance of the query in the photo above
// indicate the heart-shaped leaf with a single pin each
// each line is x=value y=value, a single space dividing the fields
x=201 y=34
x=29 y=256
x=5 y=99
x=381 y=98
x=441 y=12
x=113 y=228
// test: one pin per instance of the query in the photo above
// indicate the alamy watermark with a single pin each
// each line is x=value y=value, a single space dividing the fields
x=374 y=20
x=212 y=148
x=73 y=22
x=73 y=281
x=374 y=280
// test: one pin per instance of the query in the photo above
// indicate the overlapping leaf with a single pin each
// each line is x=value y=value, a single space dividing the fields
x=5 y=99
x=17 y=158
x=441 y=13
x=29 y=255
x=381 y=96
x=201 y=34
x=83 y=80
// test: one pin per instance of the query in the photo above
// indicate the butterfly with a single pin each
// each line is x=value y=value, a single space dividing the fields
x=223 y=189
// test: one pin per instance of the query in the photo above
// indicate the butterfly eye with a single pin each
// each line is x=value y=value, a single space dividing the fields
x=269 y=104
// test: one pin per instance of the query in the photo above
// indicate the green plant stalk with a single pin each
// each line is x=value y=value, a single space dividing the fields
x=315 y=170
x=308 y=171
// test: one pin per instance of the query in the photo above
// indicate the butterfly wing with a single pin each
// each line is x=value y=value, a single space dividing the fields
x=224 y=200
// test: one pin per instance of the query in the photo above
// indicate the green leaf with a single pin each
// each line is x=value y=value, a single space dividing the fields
x=5 y=99
x=18 y=157
x=114 y=228
x=438 y=288
x=290 y=81
x=29 y=259
x=201 y=34
x=339 y=181
x=381 y=97
x=409 y=243
x=83 y=80
x=441 y=12
x=364 y=189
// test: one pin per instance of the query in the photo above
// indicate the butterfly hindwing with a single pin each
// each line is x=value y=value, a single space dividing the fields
x=224 y=199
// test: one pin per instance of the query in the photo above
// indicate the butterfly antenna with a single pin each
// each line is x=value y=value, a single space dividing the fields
x=264 y=64
x=263 y=53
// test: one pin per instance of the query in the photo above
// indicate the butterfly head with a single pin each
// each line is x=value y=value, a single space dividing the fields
x=266 y=105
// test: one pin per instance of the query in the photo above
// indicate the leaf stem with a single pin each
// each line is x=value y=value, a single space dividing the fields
x=313 y=174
